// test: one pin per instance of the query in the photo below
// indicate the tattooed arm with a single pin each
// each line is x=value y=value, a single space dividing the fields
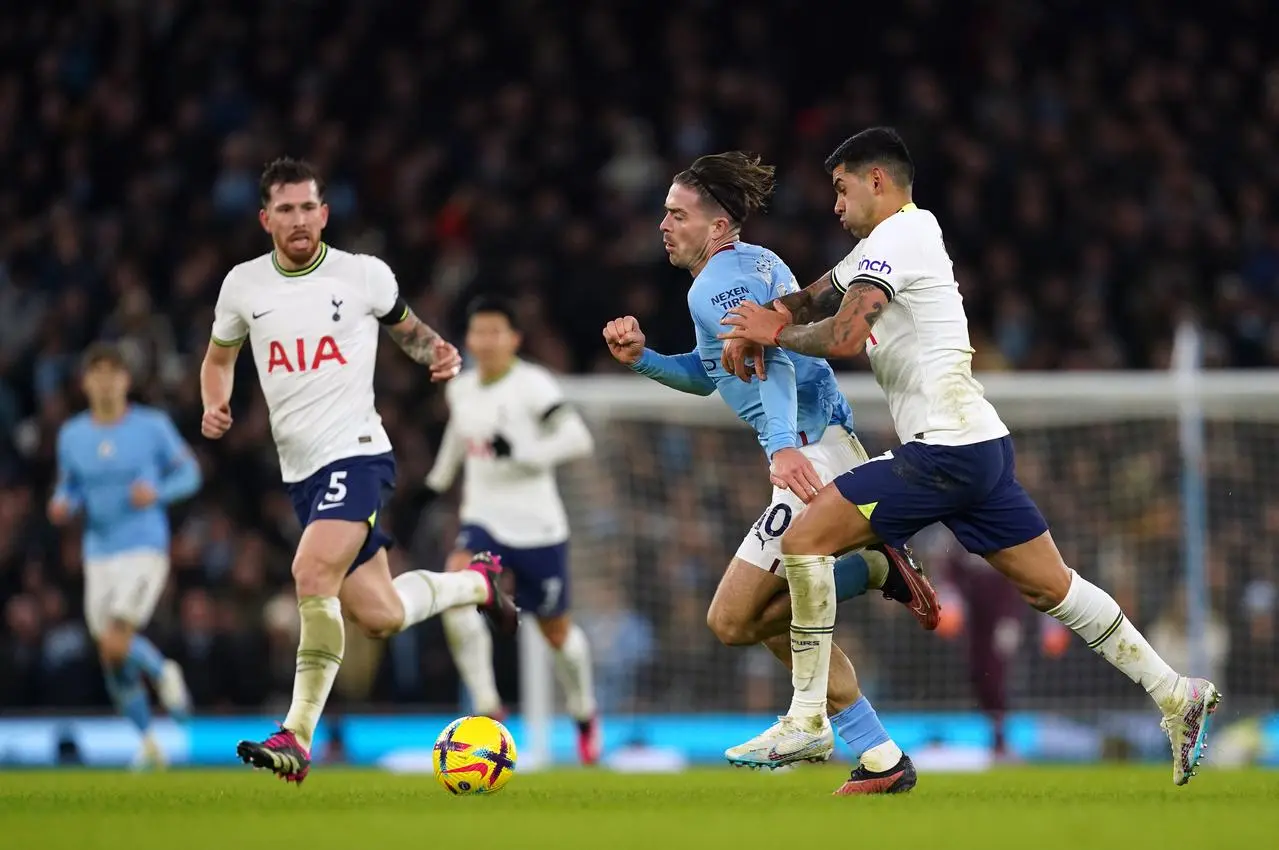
x=421 y=342
x=415 y=337
x=843 y=334
x=813 y=303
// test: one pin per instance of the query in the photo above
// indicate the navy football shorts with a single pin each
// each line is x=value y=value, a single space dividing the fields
x=541 y=572
x=972 y=490
x=355 y=489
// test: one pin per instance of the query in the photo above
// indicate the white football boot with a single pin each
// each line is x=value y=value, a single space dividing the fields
x=787 y=741
x=171 y=687
x=1187 y=727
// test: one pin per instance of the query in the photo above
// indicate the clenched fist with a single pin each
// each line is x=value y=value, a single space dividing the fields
x=625 y=339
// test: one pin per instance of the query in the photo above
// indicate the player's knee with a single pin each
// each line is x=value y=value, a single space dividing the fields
x=379 y=624
x=802 y=538
x=1044 y=584
x=1047 y=591
x=113 y=647
x=554 y=629
x=316 y=576
x=730 y=627
x=380 y=629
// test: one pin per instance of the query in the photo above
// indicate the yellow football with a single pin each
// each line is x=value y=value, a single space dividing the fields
x=474 y=755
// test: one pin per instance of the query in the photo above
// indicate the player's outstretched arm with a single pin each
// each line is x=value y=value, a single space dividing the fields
x=683 y=372
x=842 y=335
x=819 y=300
x=217 y=379
x=424 y=345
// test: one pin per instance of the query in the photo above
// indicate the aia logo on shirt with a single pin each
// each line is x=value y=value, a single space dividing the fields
x=304 y=356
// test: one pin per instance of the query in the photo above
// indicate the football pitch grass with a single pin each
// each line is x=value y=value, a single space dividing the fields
x=1039 y=808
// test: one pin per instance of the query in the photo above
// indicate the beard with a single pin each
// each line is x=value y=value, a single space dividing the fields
x=298 y=251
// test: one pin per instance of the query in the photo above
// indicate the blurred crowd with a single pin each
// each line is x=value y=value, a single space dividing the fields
x=1101 y=174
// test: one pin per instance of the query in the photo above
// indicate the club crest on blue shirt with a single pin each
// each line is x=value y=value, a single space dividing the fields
x=764 y=263
x=105 y=449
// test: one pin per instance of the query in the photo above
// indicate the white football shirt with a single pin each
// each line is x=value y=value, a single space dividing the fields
x=517 y=503
x=919 y=349
x=314 y=335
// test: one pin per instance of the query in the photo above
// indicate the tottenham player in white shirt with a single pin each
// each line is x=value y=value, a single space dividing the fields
x=900 y=303
x=312 y=313
x=508 y=429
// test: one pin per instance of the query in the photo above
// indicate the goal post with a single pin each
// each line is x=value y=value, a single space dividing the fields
x=1159 y=486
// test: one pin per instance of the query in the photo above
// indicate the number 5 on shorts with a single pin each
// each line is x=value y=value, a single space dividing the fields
x=336 y=494
x=551 y=590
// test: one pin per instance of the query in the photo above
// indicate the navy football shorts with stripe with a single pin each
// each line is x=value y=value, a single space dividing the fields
x=541 y=572
x=353 y=488
x=972 y=490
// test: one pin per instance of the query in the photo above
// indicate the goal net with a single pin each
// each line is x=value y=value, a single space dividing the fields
x=1111 y=459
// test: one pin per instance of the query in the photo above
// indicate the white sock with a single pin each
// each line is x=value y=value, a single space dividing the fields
x=425 y=594
x=472 y=648
x=573 y=669
x=320 y=649
x=812 y=592
x=877 y=562
x=1092 y=614
x=881 y=757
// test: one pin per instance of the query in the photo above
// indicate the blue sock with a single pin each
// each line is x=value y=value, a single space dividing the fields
x=852 y=575
x=859 y=727
x=130 y=697
x=144 y=656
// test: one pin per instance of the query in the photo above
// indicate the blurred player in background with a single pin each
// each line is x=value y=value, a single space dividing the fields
x=120 y=465
x=312 y=314
x=901 y=304
x=805 y=426
x=508 y=429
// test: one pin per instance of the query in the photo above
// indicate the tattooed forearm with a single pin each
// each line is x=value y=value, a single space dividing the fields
x=843 y=334
x=814 y=302
x=416 y=338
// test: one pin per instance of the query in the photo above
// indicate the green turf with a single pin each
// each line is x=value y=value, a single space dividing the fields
x=1024 y=808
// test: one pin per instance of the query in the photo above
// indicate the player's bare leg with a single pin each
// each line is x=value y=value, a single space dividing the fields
x=127 y=659
x=734 y=615
x=382 y=606
x=572 y=657
x=829 y=524
x=894 y=572
x=472 y=648
x=378 y=605
x=326 y=550
x=124 y=684
x=752 y=605
x=1039 y=572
